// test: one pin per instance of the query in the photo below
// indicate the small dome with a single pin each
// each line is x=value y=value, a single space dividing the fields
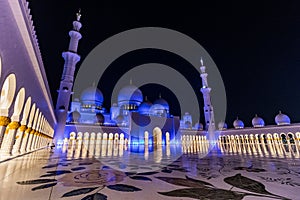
x=222 y=125
x=162 y=102
x=198 y=126
x=120 y=119
x=130 y=95
x=144 y=108
x=238 y=123
x=74 y=117
x=92 y=95
x=258 y=122
x=114 y=105
x=188 y=125
x=99 y=118
x=282 y=119
x=157 y=109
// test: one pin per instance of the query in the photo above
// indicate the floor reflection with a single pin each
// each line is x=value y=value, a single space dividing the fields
x=158 y=153
x=272 y=150
x=207 y=171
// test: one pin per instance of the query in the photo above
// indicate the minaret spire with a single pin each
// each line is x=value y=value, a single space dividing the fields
x=78 y=15
x=66 y=84
x=208 y=108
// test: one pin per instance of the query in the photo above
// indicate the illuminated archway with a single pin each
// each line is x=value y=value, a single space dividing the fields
x=72 y=139
x=7 y=94
x=157 y=136
x=291 y=137
x=19 y=102
x=283 y=138
x=146 y=137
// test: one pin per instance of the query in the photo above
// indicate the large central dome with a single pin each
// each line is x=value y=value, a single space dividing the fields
x=92 y=96
x=163 y=103
x=130 y=95
x=144 y=108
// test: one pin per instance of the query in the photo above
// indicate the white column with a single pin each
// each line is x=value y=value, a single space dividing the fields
x=10 y=134
x=36 y=133
x=4 y=121
x=31 y=133
x=8 y=139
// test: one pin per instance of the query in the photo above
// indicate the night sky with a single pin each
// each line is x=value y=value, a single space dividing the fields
x=256 y=48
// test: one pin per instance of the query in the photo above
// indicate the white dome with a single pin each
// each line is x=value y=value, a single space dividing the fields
x=74 y=116
x=222 y=125
x=114 y=105
x=162 y=102
x=198 y=126
x=145 y=107
x=130 y=95
x=120 y=119
x=157 y=109
x=92 y=95
x=238 y=123
x=282 y=119
x=258 y=122
x=188 y=125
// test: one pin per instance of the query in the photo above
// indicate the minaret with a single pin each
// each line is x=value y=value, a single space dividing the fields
x=66 y=84
x=208 y=108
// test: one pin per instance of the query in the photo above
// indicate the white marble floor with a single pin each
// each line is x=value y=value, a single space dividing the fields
x=154 y=174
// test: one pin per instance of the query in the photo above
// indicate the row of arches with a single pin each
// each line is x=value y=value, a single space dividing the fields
x=100 y=145
x=273 y=149
x=111 y=149
x=280 y=138
x=86 y=139
x=24 y=130
x=105 y=145
x=193 y=138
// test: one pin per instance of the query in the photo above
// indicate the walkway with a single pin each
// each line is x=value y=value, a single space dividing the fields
x=46 y=175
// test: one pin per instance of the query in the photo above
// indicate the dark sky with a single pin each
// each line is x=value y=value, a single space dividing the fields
x=255 y=46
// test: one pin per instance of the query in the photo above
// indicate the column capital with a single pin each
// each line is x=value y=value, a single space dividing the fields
x=13 y=125
x=4 y=121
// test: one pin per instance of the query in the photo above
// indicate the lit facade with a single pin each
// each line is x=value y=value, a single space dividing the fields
x=28 y=118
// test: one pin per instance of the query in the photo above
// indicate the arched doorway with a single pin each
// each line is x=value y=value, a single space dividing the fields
x=157 y=136
x=168 y=138
x=291 y=138
x=283 y=138
x=146 y=138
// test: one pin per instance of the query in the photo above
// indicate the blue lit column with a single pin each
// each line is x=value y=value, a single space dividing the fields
x=66 y=84
x=208 y=108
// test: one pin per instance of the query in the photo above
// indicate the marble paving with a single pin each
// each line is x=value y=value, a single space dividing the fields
x=139 y=173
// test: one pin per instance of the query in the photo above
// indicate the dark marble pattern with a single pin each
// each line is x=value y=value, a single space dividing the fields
x=215 y=176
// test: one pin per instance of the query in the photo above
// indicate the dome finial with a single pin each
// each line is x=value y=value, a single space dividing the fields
x=279 y=111
x=130 y=81
x=202 y=67
x=255 y=115
x=201 y=61
x=78 y=15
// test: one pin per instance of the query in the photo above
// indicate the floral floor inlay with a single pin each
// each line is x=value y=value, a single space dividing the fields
x=46 y=175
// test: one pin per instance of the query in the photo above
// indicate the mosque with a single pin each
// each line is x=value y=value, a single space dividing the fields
x=131 y=118
x=29 y=121
x=136 y=120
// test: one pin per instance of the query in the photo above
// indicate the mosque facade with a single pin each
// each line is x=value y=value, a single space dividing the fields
x=135 y=120
x=28 y=119
x=133 y=116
